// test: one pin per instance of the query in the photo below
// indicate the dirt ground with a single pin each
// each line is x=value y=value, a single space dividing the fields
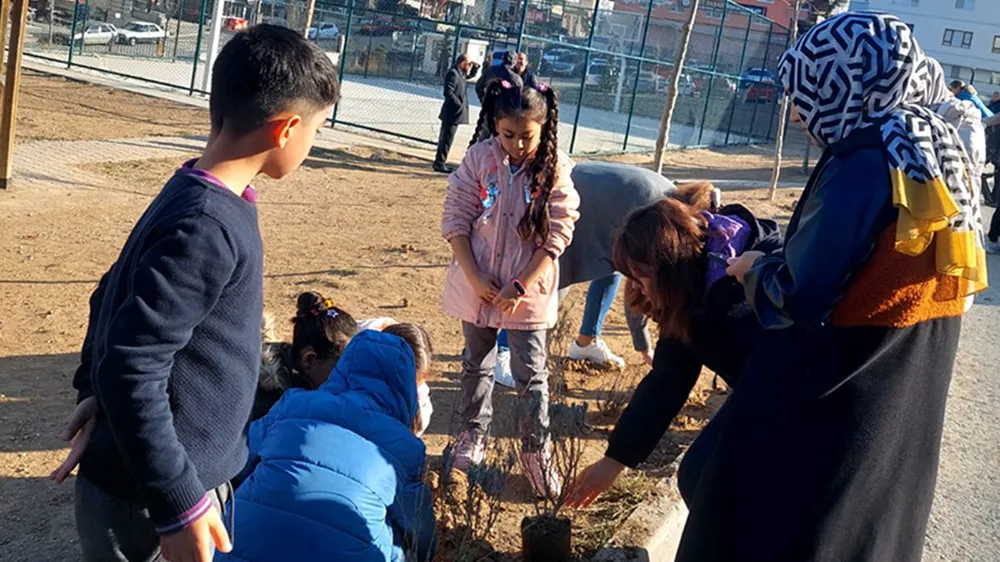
x=359 y=226
x=51 y=108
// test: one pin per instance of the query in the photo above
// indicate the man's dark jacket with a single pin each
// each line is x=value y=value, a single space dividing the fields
x=456 y=98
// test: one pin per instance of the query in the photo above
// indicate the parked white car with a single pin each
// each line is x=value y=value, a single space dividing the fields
x=137 y=32
x=323 y=31
x=96 y=34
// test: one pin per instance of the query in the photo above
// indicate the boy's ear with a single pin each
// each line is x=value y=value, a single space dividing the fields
x=284 y=129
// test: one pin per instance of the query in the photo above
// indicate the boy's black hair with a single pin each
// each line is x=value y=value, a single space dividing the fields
x=265 y=70
x=503 y=99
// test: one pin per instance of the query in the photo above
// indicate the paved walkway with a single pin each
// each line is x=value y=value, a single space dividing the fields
x=965 y=519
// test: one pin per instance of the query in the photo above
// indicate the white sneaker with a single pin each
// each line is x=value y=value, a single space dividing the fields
x=502 y=373
x=993 y=247
x=597 y=352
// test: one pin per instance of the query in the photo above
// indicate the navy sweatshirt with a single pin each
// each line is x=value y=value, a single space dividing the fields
x=173 y=348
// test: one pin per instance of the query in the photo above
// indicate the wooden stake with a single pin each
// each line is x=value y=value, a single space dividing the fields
x=783 y=114
x=668 y=109
x=310 y=8
x=19 y=20
x=4 y=10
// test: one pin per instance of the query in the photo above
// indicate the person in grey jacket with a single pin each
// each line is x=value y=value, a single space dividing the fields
x=609 y=193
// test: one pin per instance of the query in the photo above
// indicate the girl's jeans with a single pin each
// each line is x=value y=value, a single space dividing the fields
x=528 y=365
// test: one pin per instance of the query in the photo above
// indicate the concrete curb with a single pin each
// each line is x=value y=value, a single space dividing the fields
x=653 y=532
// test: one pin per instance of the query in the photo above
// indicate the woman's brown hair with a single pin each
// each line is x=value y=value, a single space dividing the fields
x=664 y=242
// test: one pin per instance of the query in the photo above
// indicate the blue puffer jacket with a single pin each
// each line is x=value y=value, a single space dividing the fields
x=338 y=472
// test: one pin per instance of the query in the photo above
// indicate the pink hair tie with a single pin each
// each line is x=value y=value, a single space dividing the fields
x=542 y=87
x=506 y=85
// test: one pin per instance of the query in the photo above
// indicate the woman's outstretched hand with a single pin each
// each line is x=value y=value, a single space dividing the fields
x=78 y=430
x=739 y=266
x=594 y=481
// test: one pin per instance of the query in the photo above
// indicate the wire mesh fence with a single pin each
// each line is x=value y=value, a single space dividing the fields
x=610 y=62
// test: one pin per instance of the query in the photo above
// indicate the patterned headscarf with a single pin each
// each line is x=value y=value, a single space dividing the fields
x=863 y=69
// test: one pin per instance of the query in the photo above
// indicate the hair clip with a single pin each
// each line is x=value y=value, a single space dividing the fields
x=331 y=313
x=542 y=87
x=506 y=85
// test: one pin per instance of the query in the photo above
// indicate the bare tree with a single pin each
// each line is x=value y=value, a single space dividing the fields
x=783 y=114
x=675 y=80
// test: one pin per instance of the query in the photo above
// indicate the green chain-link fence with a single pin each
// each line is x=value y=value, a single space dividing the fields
x=610 y=62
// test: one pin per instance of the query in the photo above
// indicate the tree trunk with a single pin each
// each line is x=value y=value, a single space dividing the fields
x=783 y=114
x=675 y=80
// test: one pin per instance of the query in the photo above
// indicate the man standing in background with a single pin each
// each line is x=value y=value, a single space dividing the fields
x=454 y=111
x=524 y=70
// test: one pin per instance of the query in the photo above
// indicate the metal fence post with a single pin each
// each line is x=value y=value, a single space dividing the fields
x=774 y=106
x=583 y=79
x=711 y=78
x=177 y=34
x=638 y=71
x=72 y=35
x=524 y=19
x=86 y=20
x=763 y=63
x=743 y=56
x=197 y=46
x=343 y=60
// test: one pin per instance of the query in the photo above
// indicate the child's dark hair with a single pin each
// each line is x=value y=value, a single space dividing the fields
x=502 y=101
x=418 y=340
x=264 y=71
x=321 y=325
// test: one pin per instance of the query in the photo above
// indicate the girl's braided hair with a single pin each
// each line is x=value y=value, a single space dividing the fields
x=503 y=101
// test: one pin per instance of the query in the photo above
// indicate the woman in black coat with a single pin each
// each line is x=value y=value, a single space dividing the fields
x=828 y=449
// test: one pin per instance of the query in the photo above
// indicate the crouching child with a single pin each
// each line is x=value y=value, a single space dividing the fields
x=337 y=473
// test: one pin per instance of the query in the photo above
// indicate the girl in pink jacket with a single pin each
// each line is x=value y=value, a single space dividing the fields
x=508 y=215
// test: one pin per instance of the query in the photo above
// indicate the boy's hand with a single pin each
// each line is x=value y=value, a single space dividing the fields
x=507 y=299
x=739 y=266
x=486 y=286
x=198 y=542
x=78 y=430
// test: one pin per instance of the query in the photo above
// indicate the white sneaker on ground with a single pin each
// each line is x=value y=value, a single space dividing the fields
x=993 y=247
x=538 y=469
x=597 y=352
x=469 y=449
x=502 y=373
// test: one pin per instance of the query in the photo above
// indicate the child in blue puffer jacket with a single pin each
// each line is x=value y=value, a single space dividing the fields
x=337 y=471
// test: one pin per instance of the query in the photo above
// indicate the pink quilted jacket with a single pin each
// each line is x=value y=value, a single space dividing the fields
x=486 y=202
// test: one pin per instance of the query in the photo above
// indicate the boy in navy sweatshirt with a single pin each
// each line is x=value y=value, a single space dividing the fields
x=169 y=364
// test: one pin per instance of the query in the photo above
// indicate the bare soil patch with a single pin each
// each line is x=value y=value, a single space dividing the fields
x=52 y=108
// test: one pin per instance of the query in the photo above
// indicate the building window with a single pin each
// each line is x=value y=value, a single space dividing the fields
x=956 y=72
x=992 y=77
x=996 y=44
x=957 y=38
x=965 y=4
x=712 y=12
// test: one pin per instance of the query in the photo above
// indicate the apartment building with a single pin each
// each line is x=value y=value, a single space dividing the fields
x=963 y=35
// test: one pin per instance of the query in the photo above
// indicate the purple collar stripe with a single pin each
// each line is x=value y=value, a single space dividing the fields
x=249 y=193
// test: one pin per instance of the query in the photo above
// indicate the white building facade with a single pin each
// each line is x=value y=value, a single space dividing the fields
x=963 y=35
